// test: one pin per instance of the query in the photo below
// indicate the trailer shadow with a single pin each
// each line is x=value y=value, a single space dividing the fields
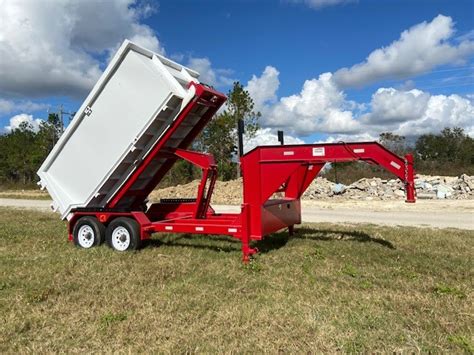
x=280 y=239
x=270 y=243
x=217 y=243
x=329 y=235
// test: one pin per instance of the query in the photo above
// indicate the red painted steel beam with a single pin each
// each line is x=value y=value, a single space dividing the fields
x=204 y=96
x=202 y=91
x=273 y=161
x=410 y=179
x=203 y=160
x=209 y=172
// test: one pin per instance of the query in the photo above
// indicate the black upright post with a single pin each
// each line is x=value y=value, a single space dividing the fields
x=240 y=133
x=281 y=138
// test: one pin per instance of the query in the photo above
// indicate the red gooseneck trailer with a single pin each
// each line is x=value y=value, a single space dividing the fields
x=111 y=204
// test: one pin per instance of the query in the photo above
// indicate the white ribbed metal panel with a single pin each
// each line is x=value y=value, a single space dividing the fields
x=133 y=103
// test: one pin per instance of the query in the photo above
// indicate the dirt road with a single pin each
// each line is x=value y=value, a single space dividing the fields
x=432 y=213
x=41 y=205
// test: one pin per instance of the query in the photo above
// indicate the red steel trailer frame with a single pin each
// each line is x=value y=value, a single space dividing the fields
x=268 y=171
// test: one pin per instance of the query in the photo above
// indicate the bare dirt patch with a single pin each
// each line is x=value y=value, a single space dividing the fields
x=225 y=192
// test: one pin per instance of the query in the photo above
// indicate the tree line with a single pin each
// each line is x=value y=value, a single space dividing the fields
x=450 y=152
x=23 y=150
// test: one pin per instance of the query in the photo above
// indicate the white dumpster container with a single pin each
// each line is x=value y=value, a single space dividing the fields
x=135 y=100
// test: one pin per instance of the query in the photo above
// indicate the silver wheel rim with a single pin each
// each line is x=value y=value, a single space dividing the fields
x=120 y=238
x=86 y=236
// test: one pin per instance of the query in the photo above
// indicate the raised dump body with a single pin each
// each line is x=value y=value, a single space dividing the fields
x=134 y=105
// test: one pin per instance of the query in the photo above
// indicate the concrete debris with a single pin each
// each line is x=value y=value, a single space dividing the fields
x=427 y=187
x=338 y=189
x=443 y=191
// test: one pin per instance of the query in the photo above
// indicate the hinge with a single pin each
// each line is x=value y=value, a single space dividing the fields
x=88 y=111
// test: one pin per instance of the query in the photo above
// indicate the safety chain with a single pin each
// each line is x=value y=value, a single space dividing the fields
x=406 y=171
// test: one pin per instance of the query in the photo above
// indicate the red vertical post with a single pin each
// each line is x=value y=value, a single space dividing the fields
x=409 y=179
x=245 y=230
x=201 y=192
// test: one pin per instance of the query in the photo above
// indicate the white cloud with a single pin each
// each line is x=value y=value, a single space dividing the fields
x=393 y=106
x=265 y=136
x=50 y=47
x=360 y=137
x=210 y=75
x=319 y=107
x=17 y=120
x=407 y=85
x=419 y=49
x=466 y=36
x=415 y=112
x=8 y=106
x=439 y=112
x=263 y=89
x=319 y=4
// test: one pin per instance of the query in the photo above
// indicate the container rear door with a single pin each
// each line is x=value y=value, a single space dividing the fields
x=110 y=125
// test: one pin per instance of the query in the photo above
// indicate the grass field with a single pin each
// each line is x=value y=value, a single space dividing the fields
x=329 y=288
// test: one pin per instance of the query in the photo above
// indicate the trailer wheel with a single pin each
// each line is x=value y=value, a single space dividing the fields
x=123 y=234
x=88 y=232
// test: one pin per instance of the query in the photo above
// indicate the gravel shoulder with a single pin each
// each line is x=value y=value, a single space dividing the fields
x=423 y=213
x=432 y=213
x=38 y=205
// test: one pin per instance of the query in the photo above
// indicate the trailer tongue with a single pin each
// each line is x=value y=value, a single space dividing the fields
x=100 y=181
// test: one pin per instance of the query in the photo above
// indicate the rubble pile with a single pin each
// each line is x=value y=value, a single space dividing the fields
x=458 y=188
x=427 y=187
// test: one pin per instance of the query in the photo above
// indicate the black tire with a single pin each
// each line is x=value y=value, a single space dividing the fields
x=123 y=234
x=88 y=232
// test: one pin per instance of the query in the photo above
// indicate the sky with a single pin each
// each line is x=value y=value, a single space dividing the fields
x=321 y=70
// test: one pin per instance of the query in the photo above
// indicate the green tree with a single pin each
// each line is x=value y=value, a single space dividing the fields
x=450 y=152
x=181 y=173
x=19 y=154
x=23 y=150
x=393 y=142
x=452 y=144
x=220 y=135
x=3 y=159
x=48 y=134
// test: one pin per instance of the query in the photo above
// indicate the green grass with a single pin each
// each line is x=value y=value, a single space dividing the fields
x=329 y=288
